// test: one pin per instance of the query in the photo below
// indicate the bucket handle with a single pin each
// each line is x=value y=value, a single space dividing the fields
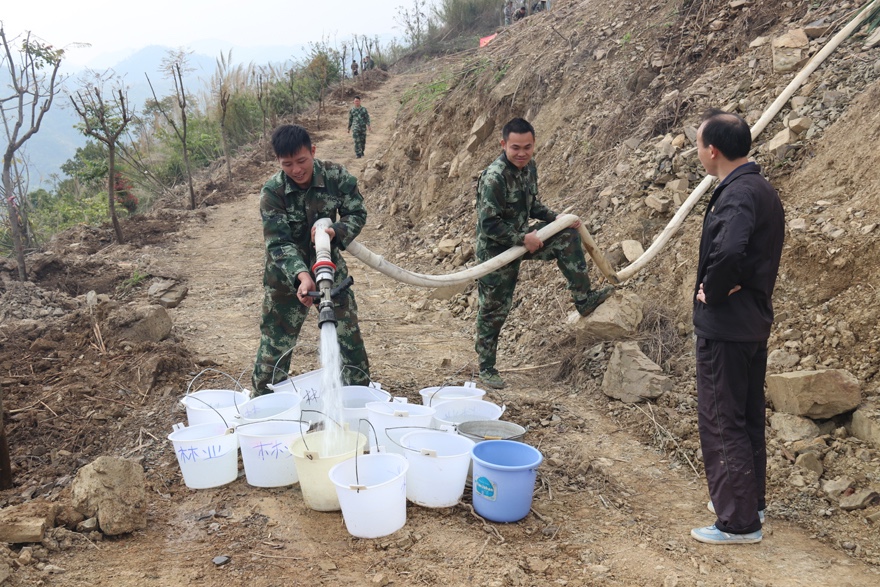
x=205 y=370
x=375 y=434
x=275 y=369
x=407 y=427
x=357 y=478
x=303 y=434
x=466 y=384
x=212 y=408
x=240 y=377
x=431 y=399
x=372 y=383
x=309 y=422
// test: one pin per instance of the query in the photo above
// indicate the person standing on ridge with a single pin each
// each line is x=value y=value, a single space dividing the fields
x=358 y=125
x=305 y=190
x=507 y=197
x=354 y=68
x=740 y=252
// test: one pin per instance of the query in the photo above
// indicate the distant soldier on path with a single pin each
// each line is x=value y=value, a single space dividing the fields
x=508 y=13
x=358 y=125
x=354 y=68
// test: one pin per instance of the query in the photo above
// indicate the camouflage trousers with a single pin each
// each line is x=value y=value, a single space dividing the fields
x=496 y=289
x=283 y=317
x=360 y=140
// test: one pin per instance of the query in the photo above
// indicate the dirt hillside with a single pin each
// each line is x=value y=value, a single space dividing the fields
x=610 y=86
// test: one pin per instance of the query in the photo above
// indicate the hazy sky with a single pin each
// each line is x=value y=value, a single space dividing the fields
x=114 y=29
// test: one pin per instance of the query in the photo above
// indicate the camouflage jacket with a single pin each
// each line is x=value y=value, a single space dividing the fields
x=358 y=118
x=507 y=198
x=288 y=213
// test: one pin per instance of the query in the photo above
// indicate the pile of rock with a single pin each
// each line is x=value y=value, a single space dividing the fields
x=27 y=301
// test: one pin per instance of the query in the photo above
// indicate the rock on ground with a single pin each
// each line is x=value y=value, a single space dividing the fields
x=114 y=490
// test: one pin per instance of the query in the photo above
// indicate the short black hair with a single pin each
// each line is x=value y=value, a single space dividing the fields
x=518 y=126
x=289 y=139
x=357 y=97
x=727 y=132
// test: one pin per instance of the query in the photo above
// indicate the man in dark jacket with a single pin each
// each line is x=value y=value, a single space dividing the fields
x=740 y=250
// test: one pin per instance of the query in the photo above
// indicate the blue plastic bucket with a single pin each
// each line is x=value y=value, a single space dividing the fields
x=504 y=479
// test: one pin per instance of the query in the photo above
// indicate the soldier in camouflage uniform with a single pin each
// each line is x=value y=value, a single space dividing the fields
x=358 y=125
x=507 y=197
x=305 y=190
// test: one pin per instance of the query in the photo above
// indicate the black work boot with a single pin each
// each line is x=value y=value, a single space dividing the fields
x=491 y=378
x=593 y=300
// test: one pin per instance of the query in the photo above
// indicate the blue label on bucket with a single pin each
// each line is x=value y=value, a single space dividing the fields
x=485 y=488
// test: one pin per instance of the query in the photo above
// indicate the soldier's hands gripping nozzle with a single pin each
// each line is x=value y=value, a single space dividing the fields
x=325 y=270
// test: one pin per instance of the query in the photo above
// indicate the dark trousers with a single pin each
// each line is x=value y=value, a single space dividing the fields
x=730 y=398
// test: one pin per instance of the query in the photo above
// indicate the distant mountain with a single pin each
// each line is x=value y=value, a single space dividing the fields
x=58 y=138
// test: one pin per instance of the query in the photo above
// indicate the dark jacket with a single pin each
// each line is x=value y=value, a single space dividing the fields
x=741 y=245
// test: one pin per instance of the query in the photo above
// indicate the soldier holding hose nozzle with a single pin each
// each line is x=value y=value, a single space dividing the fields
x=291 y=202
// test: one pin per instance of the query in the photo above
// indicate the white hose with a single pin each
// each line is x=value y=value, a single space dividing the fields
x=562 y=221
x=322 y=240
x=379 y=263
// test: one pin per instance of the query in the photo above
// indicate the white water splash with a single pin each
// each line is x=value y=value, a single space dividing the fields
x=331 y=392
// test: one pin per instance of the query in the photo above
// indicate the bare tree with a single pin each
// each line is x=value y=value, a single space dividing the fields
x=174 y=64
x=33 y=74
x=321 y=72
x=343 y=53
x=221 y=83
x=415 y=22
x=105 y=120
x=262 y=97
x=358 y=42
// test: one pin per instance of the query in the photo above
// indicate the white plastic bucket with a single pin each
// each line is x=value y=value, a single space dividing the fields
x=372 y=493
x=354 y=405
x=432 y=396
x=438 y=466
x=271 y=406
x=265 y=451
x=384 y=415
x=451 y=413
x=306 y=385
x=218 y=406
x=312 y=468
x=207 y=454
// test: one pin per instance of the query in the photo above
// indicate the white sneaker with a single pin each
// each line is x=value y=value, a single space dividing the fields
x=711 y=507
x=712 y=535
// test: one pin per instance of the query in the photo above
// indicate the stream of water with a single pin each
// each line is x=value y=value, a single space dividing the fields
x=331 y=392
